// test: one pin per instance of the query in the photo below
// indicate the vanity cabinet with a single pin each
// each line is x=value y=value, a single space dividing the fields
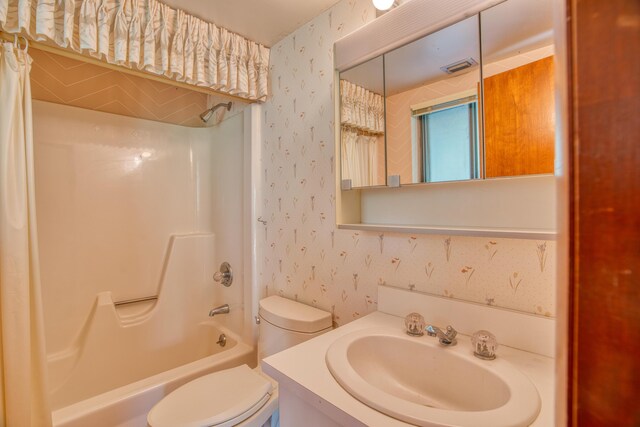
x=520 y=120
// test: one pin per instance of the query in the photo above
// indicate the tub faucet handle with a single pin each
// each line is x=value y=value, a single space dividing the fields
x=225 y=275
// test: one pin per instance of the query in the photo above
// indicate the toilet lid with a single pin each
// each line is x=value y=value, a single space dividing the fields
x=233 y=394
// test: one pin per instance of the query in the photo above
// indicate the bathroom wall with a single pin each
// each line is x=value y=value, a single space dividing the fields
x=302 y=253
x=111 y=190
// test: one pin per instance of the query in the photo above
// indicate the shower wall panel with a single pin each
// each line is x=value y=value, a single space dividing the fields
x=111 y=190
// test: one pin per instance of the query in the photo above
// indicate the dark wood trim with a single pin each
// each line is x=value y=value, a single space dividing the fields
x=571 y=344
x=604 y=276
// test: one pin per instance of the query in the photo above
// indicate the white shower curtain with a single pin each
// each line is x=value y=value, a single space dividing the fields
x=23 y=391
x=359 y=158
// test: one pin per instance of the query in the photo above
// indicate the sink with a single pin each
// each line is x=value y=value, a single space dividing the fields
x=417 y=380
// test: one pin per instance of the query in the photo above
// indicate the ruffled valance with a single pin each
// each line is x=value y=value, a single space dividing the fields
x=361 y=109
x=145 y=35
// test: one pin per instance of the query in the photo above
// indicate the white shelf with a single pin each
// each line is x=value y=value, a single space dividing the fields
x=508 y=233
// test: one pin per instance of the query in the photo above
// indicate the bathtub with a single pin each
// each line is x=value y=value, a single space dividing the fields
x=129 y=355
x=127 y=405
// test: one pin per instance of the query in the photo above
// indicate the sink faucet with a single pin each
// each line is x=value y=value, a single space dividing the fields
x=445 y=338
x=223 y=309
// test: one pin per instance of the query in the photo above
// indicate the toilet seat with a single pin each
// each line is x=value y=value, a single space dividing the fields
x=221 y=399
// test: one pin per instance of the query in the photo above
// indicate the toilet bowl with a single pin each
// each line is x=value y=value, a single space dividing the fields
x=242 y=396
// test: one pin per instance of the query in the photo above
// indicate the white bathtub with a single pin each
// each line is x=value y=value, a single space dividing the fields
x=128 y=405
x=129 y=356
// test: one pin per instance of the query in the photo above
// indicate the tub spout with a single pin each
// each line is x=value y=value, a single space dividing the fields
x=223 y=309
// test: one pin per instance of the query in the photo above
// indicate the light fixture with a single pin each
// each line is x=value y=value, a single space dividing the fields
x=383 y=4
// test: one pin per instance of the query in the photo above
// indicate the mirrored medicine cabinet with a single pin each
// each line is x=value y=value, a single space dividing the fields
x=470 y=101
x=459 y=105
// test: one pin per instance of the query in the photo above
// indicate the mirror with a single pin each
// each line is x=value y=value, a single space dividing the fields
x=362 y=125
x=424 y=107
x=432 y=120
x=517 y=68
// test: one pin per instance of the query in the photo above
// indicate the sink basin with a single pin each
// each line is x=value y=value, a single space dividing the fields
x=417 y=380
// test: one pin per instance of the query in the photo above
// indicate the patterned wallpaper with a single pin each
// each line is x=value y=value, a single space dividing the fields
x=305 y=257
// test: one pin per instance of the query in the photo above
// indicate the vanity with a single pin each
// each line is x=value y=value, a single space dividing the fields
x=310 y=395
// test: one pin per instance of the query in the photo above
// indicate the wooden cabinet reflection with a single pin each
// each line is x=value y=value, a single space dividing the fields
x=520 y=120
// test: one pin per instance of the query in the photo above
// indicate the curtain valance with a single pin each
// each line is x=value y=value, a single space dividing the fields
x=146 y=35
x=361 y=108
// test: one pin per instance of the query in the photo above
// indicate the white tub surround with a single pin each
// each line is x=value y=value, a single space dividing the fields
x=121 y=344
x=106 y=238
x=308 y=391
x=131 y=354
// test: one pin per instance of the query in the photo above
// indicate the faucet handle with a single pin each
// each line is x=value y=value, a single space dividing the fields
x=225 y=275
x=484 y=345
x=414 y=324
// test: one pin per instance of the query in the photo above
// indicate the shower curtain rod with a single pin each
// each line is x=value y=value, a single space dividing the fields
x=72 y=55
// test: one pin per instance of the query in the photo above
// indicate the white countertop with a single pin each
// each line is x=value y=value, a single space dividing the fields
x=303 y=371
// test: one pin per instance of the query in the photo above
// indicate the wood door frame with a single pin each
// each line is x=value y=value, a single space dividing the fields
x=598 y=375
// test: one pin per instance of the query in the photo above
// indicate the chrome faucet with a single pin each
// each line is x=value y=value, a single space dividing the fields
x=445 y=338
x=223 y=309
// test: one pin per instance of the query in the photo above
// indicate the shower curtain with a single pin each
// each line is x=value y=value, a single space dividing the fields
x=23 y=391
x=359 y=158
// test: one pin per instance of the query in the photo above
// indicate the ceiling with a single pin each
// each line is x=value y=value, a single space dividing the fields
x=263 y=21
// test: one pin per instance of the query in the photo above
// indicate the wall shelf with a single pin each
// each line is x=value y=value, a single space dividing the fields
x=506 y=233
x=511 y=208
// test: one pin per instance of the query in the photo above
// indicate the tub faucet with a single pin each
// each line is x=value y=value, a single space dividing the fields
x=223 y=309
x=445 y=338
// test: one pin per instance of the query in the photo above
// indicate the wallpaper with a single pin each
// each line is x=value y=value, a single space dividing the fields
x=304 y=256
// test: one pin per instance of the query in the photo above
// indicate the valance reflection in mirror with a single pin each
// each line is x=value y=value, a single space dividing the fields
x=362 y=126
x=517 y=61
x=432 y=109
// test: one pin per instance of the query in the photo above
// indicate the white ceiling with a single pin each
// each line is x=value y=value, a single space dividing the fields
x=263 y=21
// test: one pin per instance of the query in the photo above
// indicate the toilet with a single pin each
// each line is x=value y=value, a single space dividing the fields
x=242 y=396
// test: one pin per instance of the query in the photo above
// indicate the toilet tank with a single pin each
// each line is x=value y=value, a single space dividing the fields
x=285 y=323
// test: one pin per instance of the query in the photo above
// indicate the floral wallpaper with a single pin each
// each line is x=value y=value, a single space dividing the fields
x=304 y=256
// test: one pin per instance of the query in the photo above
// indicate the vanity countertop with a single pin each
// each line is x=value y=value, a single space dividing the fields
x=303 y=371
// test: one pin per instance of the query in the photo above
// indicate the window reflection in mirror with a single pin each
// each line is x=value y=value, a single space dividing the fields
x=432 y=87
x=517 y=61
x=362 y=150
x=448 y=140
